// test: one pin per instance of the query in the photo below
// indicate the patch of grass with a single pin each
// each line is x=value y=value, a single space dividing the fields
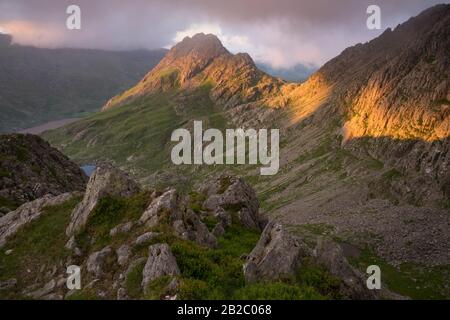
x=40 y=242
x=417 y=282
x=196 y=201
x=392 y=174
x=8 y=203
x=83 y=295
x=108 y=213
x=210 y=222
x=374 y=164
x=133 y=281
x=157 y=289
x=276 y=291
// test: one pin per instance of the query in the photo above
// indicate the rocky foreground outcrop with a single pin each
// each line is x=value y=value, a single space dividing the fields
x=105 y=181
x=145 y=249
x=30 y=169
x=277 y=255
x=13 y=221
x=280 y=253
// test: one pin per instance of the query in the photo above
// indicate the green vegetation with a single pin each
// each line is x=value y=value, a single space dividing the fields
x=8 y=203
x=414 y=281
x=217 y=273
x=133 y=281
x=109 y=212
x=41 y=242
x=392 y=174
x=137 y=135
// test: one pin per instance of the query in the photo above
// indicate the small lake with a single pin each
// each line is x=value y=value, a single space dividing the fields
x=88 y=169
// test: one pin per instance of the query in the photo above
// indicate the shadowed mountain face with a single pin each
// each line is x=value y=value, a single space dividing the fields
x=31 y=169
x=62 y=83
x=365 y=137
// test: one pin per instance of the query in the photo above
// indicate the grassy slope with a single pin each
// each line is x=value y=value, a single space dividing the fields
x=39 y=243
x=137 y=136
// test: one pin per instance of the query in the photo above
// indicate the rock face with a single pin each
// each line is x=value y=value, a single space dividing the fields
x=234 y=193
x=190 y=227
x=30 y=169
x=166 y=206
x=171 y=209
x=105 y=181
x=13 y=221
x=276 y=256
x=97 y=260
x=160 y=262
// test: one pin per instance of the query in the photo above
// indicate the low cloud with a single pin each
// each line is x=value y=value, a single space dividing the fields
x=279 y=32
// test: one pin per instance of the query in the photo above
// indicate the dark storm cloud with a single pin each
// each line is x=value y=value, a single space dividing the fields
x=282 y=32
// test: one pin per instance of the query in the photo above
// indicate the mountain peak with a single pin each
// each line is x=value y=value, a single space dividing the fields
x=193 y=54
x=194 y=61
x=207 y=44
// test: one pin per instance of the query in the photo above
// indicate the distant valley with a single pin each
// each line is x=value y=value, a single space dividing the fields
x=62 y=83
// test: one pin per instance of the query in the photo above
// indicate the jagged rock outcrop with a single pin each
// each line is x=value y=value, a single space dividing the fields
x=105 y=181
x=234 y=193
x=30 y=169
x=171 y=209
x=190 y=227
x=165 y=207
x=276 y=256
x=160 y=262
x=353 y=282
x=13 y=221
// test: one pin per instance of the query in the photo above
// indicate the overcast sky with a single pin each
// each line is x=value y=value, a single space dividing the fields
x=279 y=32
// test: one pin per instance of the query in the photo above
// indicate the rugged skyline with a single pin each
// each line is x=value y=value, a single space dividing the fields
x=280 y=33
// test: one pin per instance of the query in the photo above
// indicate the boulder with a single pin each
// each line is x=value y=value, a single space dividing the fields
x=105 y=181
x=123 y=254
x=14 y=220
x=218 y=230
x=122 y=294
x=276 y=256
x=146 y=237
x=44 y=291
x=353 y=282
x=166 y=207
x=234 y=193
x=97 y=260
x=160 y=262
x=121 y=228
